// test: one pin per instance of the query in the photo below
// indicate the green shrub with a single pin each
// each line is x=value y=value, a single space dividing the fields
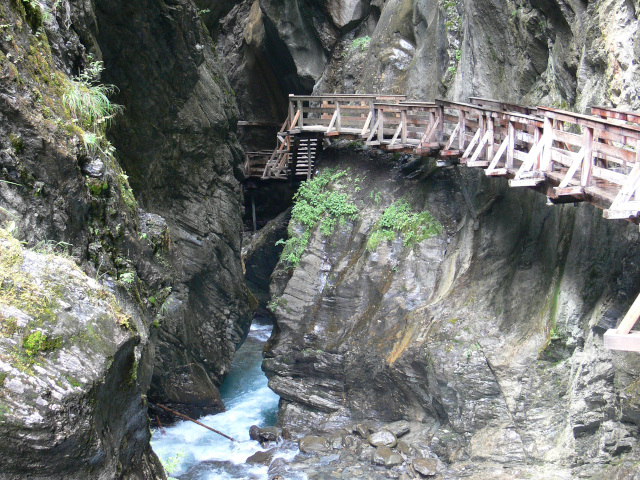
x=317 y=201
x=361 y=43
x=398 y=218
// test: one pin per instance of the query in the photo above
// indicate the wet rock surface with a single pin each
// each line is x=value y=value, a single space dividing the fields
x=485 y=331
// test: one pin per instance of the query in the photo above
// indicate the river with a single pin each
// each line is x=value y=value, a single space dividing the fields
x=190 y=452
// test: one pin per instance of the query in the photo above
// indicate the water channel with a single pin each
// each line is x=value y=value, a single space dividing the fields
x=190 y=452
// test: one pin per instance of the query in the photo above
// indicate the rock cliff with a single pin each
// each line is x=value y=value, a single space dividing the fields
x=152 y=205
x=558 y=53
x=491 y=328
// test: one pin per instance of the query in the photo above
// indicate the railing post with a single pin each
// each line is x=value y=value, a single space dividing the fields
x=300 y=120
x=403 y=119
x=338 y=117
x=511 y=146
x=373 y=112
x=462 y=118
x=546 y=148
x=536 y=140
x=490 y=127
x=441 y=125
x=482 y=126
x=587 y=162
x=381 y=125
x=292 y=110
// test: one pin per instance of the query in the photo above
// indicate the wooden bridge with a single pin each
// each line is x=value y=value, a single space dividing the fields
x=567 y=156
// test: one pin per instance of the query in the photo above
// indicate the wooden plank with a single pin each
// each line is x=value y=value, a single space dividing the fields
x=576 y=191
x=615 y=341
x=525 y=182
x=496 y=172
x=615 y=214
x=608 y=175
x=396 y=134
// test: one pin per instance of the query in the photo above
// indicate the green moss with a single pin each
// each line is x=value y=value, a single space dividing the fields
x=3 y=377
x=38 y=343
x=399 y=219
x=16 y=143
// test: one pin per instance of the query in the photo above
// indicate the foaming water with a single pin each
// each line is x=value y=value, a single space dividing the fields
x=194 y=453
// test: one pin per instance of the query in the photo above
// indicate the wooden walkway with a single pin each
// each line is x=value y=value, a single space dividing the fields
x=569 y=157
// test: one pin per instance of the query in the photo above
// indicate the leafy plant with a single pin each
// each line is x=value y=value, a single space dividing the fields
x=399 y=218
x=317 y=201
x=361 y=43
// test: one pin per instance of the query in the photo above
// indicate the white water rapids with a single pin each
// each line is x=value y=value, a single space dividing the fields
x=190 y=452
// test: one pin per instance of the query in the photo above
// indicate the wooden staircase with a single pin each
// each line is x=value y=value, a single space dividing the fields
x=304 y=156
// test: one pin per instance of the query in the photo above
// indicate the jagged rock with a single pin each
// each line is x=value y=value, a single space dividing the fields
x=270 y=434
x=362 y=429
x=398 y=428
x=427 y=467
x=312 y=444
x=69 y=370
x=94 y=168
x=277 y=469
x=261 y=458
x=254 y=432
x=386 y=457
x=383 y=438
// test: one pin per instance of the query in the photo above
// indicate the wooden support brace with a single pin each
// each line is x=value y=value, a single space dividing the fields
x=374 y=130
x=366 y=124
x=577 y=162
x=430 y=131
x=397 y=134
x=474 y=140
x=531 y=158
x=620 y=338
x=476 y=154
x=453 y=137
x=498 y=155
x=333 y=121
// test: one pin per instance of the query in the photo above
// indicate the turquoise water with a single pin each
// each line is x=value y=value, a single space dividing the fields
x=194 y=453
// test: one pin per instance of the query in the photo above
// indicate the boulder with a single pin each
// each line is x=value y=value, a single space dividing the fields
x=386 y=457
x=261 y=458
x=383 y=438
x=399 y=428
x=427 y=467
x=270 y=434
x=313 y=444
x=254 y=433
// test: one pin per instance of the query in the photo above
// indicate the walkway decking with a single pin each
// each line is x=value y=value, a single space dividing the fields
x=569 y=157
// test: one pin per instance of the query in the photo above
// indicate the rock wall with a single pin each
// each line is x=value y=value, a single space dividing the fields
x=569 y=54
x=153 y=210
x=492 y=329
x=71 y=400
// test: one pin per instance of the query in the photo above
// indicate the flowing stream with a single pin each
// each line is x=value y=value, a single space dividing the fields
x=190 y=452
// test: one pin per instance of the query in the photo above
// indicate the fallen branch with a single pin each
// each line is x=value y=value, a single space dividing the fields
x=196 y=422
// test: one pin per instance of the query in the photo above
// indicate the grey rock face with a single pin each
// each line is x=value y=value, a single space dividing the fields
x=71 y=396
x=177 y=143
x=488 y=331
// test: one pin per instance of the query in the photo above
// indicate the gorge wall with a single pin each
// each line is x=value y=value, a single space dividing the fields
x=153 y=212
x=492 y=329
